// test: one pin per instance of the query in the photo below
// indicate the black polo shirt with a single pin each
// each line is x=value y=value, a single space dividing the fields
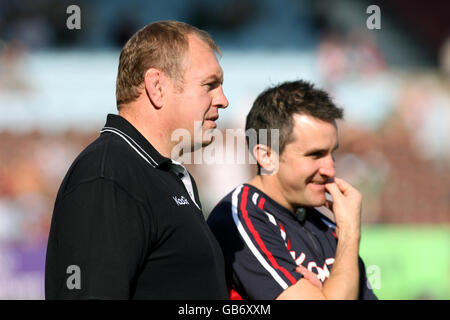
x=263 y=243
x=128 y=224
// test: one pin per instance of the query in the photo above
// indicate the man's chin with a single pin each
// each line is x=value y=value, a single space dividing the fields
x=208 y=137
x=314 y=203
x=318 y=201
x=202 y=144
x=208 y=142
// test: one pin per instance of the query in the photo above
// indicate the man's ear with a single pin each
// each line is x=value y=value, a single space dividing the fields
x=153 y=81
x=266 y=158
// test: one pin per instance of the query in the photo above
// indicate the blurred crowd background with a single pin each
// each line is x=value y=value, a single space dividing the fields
x=57 y=85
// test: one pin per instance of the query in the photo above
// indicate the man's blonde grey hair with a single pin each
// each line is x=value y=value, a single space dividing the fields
x=161 y=45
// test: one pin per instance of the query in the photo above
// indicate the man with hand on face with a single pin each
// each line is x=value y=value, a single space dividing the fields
x=275 y=243
x=127 y=222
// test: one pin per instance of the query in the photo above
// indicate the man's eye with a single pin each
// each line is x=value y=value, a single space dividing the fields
x=212 y=85
x=318 y=155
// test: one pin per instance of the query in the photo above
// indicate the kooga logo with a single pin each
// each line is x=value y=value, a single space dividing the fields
x=181 y=201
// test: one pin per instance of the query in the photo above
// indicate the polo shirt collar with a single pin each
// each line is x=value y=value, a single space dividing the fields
x=272 y=206
x=121 y=127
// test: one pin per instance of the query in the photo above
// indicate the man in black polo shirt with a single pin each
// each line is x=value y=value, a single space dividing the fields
x=127 y=222
x=273 y=239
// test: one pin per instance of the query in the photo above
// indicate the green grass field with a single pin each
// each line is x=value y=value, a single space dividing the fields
x=413 y=261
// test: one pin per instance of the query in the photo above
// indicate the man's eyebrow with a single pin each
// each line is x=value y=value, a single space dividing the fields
x=214 y=78
x=318 y=150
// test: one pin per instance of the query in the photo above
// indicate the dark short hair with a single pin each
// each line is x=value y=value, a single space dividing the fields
x=275 y=107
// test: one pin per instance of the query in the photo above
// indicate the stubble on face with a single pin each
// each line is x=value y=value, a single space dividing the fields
x=306 y=163
x=194 y=108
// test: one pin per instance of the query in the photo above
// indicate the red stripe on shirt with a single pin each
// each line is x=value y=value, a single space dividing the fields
x=258 y=238
x=261 y=203
x=234 y=295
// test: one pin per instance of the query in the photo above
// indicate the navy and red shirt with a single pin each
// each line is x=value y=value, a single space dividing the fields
x=263 y=243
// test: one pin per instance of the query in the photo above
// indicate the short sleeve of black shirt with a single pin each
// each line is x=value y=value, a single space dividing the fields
x=104 y=229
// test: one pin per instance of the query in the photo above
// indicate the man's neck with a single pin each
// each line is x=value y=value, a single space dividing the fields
x=268 y=186
x=153 y=131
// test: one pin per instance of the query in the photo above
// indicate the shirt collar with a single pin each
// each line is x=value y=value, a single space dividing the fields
x=120 y=126
x=274 y=207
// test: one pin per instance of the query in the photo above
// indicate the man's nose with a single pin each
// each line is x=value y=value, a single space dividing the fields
x=327 y=167
x=220 y=100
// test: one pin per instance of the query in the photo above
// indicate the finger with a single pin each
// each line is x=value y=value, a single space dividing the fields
x=310 y=276
x=343 y=185
x=315 y=282
x=333 y=189
x=306 y=273
x=301 y=269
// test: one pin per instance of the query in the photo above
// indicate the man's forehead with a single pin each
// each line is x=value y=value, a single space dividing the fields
x=308 y=121
x=197 y=45
x=312 y=132
x=217 y=76
x=202 y=60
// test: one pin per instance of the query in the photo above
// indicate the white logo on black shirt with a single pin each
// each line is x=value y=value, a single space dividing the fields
x=180 y=201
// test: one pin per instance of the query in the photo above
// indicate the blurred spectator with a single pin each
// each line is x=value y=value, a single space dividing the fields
x=332 y=59
x=364 y=55
x=12 y=73
x=353 y=55
x=444 y=57
x=31 y=168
